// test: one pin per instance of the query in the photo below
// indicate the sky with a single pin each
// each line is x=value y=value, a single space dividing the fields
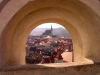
x=48 y=25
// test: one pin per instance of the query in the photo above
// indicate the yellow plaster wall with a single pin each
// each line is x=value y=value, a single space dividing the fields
x=18 y=18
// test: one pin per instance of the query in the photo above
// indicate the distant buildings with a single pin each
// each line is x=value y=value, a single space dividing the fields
x=48 y=32
x=48 y=43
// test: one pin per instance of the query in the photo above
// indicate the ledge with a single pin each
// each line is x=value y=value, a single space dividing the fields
x=47 y=66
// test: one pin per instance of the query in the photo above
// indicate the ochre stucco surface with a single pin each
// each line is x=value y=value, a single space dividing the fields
x=80 y=17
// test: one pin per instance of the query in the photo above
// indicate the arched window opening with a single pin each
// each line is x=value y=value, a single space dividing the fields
x=49 y=43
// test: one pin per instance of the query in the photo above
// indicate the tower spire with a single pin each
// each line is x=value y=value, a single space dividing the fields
x=51 y=30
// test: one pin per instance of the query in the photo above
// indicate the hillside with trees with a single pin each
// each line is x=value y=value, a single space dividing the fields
x=56 y=31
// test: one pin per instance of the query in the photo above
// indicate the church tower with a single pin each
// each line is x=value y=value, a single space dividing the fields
x=51 y=30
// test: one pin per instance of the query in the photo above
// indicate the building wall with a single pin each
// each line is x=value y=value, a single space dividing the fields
x=80 y=17
x=92 y=69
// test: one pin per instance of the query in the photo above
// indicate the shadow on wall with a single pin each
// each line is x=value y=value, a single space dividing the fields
x=89 y=69
x=3 y=3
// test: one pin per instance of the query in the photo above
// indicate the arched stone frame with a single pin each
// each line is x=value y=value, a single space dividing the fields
x=71 y=19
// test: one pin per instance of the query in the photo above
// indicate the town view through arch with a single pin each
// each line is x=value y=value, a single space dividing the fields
x=49 y=43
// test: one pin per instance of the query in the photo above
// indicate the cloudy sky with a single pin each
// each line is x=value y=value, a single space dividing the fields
x=48 y=25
